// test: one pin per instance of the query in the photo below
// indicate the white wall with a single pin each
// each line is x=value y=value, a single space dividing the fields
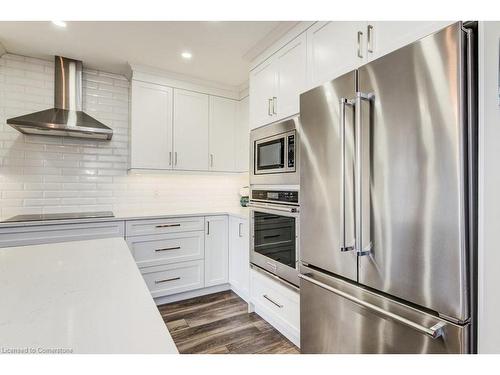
x=489 y=189
x=54 y=174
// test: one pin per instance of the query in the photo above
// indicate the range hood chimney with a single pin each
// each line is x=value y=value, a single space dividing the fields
x=67 y=118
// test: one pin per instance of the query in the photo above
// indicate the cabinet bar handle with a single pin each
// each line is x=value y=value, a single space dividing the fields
x=211 y=160
x=169 y=248
x=208 y=228
x=275 y=101
x=165 y=280
x=360 y=35
x=175 y=158
x=240 y=234
x=273 y=302
x=370 y=38
x=269 y=101
x=167 y=225
x=170 y=158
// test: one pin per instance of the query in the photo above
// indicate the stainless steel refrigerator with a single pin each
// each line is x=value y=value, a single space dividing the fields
x=387 y=221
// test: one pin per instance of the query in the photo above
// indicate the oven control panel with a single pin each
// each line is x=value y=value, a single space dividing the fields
x=284 y=196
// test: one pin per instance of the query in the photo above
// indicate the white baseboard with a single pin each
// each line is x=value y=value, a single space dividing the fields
x=191 y=294
x=285 y=329
x=243 y=294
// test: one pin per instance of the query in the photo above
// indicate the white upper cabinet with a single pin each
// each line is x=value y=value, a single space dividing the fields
x=292 y=76
x=334 y=48
x=263 y=81
x=151 y=126
x=216 y=250
x=383 y=37
x=241 y=140
x=222 y=132
x=276 y=83
x=190 y=130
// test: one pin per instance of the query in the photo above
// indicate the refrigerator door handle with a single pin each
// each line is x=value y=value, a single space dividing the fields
x=436 y=331
x=361 y=190
x=343 y=246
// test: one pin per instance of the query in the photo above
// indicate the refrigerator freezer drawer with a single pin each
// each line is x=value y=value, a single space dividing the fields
x=339 y=317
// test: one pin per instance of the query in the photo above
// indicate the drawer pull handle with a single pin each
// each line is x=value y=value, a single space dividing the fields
x=271 y=236
x=167 y=225
x=273 y=302
x=165 y=280
x=169 y=248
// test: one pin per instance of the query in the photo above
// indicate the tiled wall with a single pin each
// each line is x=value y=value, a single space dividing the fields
x=40 y=174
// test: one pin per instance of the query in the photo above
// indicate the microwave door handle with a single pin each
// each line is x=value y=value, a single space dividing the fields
x=343 y=247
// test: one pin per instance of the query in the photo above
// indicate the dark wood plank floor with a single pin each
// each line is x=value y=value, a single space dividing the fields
x=220 y=323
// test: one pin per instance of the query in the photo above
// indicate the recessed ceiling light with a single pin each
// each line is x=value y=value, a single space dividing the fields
x=186 y=55
x=59 y=23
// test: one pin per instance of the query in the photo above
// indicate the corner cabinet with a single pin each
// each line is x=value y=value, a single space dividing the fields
x=239 y=257
x=150 y=126
x=242 y=138
x=216 y=250
x=190 y=130
x=222 y=133
x=276 y=83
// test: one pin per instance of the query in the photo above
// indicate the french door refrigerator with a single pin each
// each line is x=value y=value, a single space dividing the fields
x=387 y=221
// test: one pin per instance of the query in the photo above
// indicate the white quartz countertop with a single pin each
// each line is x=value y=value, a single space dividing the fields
x=240 y=212
x=81 y=297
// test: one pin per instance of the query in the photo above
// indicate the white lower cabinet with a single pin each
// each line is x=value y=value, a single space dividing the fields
x=177 y=255
x=239 y=262
x=277 y=303
x=216 y=250
x=173 y=278
x=167 y=248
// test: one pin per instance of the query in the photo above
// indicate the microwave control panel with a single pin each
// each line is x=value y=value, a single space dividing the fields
x=291 y=151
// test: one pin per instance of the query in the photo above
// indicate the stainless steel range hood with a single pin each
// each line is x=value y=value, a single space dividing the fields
x=67 y=118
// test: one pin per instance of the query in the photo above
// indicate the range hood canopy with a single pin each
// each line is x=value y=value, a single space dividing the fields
x=67 y=118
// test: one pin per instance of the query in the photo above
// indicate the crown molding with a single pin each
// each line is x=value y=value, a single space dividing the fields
x=287 y=37
x=272 y=37
x=176 y=80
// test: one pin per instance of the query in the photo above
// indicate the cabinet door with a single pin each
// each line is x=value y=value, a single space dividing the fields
x=223 y=113
x=239 y=261
x=216 y=250
x=333 y=50
x=386 y=36
x=242 y=137
x=292 y=74
x=190 y=130
x=262 y=90
x=150 y=126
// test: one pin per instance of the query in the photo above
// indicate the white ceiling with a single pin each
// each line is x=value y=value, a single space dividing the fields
x=221 y=50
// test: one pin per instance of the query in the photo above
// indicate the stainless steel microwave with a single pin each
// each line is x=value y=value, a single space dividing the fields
x=274 y=156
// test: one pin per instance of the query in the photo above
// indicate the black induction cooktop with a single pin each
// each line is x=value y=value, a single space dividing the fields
x=60 y=216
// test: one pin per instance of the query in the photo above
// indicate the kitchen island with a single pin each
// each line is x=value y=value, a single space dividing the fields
x=77 y=297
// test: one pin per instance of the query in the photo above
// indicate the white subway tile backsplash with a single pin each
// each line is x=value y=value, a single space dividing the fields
x=41 y=174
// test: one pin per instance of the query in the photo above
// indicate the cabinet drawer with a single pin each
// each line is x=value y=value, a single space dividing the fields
x=173 y=278
x=40 y=234
x=158 y=226
x=159 y=249
x=276 y=299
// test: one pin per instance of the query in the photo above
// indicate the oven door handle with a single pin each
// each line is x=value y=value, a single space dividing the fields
x=273 y=208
